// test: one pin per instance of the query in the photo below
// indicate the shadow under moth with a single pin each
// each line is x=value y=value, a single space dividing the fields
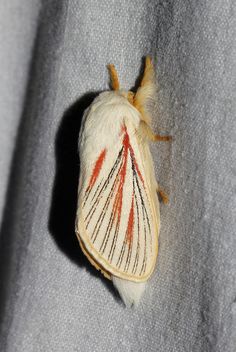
x=118 y=217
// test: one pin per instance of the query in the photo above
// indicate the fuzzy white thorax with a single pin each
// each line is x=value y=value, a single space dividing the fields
x=130 y=292
x=102 y=122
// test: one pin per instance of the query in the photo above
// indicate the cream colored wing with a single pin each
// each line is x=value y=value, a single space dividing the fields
x=118 y=213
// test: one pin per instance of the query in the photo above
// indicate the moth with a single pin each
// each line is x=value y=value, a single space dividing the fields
x=118 y=216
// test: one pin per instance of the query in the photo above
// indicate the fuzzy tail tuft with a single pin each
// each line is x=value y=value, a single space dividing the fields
x=129 y=291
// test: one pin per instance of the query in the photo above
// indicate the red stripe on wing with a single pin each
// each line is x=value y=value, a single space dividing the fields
x=124 y=129
x=130 y=226
x=97 y=168
x=117 y=207
x=119 y=195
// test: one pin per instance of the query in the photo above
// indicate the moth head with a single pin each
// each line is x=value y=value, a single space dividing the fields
x=146 y=90
x=129 y=95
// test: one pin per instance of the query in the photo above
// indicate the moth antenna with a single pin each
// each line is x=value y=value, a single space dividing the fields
x=115 y=85
x=146 y=91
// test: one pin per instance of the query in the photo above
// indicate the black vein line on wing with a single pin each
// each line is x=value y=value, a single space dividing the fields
x=108 y=232
x=145 y=221
x=127 y=262
x=102 y=214
x=112 y=250
x=106 y=182
x=105 y=207
x=128 y=258
x=135 y=266
x=88 y=191
x=142 y=203
x=98 y=187
x=108 y=229
x=119 y=261
x=113 y=245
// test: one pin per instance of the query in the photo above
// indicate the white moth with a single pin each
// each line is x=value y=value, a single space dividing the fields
x=118 y=219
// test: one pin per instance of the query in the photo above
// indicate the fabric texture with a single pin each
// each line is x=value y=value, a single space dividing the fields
x=51 y=297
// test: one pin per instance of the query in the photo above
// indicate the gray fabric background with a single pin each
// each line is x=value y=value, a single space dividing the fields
x=53 y=55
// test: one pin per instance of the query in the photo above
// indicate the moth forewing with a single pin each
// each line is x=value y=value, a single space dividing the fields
x=117 y=217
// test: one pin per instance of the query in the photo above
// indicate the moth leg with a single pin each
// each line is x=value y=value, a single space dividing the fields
x=115 y=85
x=146 y=91
x=163 y=195
x=145 y=133
x=159 y=138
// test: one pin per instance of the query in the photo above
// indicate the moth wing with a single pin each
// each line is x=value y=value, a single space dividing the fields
x=118 y=213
